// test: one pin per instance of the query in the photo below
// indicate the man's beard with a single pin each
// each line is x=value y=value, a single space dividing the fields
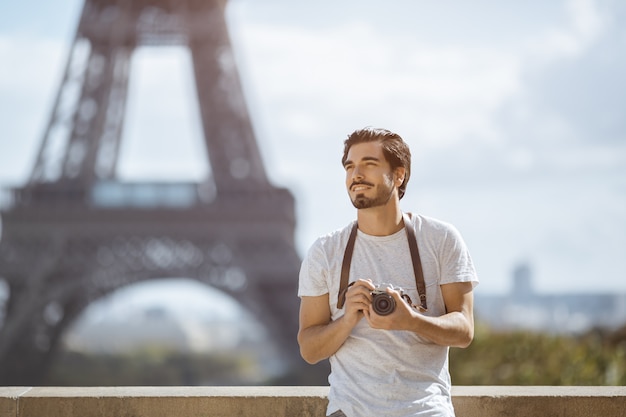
x=383 y=194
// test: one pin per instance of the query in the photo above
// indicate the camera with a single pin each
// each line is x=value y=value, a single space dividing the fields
x=383 y=303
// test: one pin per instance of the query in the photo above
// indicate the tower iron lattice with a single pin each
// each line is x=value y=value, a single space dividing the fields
x=75 y=233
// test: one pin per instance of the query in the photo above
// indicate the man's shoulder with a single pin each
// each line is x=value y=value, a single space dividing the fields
x=423 y=222
x=437 y=233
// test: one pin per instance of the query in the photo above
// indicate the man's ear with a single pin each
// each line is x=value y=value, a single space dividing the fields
x=398 y=177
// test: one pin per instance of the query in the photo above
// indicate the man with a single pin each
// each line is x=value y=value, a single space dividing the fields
x=394 y=364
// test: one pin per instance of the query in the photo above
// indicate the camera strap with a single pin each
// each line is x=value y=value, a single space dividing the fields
x=415 y=258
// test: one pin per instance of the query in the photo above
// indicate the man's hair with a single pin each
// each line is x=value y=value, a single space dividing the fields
x=396 y=151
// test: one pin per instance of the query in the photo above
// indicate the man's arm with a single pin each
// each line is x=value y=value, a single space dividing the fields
x=455 y=328
x=320 y=337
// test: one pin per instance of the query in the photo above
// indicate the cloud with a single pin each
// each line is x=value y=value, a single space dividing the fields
x=358 y=71
x=569 y=115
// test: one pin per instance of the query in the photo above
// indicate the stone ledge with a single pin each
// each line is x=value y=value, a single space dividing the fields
x=513 y=401
x=474 y=401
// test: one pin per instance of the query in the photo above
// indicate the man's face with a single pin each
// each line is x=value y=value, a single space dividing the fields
x=369 y=178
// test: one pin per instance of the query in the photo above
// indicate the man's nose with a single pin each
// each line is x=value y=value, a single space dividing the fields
x=356 y=173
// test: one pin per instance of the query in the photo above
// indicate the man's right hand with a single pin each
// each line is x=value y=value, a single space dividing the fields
x=358 y=299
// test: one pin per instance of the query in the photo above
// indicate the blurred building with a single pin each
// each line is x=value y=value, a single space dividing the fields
x=139 y=330
x=524 y=308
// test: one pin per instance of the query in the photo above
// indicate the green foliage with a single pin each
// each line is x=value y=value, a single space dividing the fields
x=525 y=358
x=494 y=358
x=151 y=367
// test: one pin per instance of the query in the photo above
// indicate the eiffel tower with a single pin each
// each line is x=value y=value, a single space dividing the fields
x=75 y=233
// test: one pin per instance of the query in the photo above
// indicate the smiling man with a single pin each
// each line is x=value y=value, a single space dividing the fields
x=388 y=356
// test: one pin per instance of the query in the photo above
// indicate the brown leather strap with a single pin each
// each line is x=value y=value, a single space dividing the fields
x=345 y=266
x=415 y=258
x=417 y=262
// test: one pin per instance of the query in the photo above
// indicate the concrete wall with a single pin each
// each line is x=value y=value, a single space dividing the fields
x=475 y=401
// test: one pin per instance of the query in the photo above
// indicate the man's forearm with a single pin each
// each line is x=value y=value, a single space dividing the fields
x=322 y=341
x=452 y=329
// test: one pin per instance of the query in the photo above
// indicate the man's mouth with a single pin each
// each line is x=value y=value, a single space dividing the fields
x=360 y=187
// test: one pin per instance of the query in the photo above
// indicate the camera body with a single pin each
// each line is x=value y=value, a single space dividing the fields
x=382 y=302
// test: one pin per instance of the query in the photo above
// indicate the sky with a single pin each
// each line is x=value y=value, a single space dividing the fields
x=514 y=112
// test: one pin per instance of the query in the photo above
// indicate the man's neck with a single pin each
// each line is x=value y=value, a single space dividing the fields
x=380 y=221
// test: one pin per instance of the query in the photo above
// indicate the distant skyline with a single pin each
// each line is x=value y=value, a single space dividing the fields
x=513 y=111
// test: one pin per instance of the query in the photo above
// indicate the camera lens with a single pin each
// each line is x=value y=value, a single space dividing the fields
x=383 y=304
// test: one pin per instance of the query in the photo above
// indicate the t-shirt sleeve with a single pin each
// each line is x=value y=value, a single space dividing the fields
x=313 y=280
x=456 y=263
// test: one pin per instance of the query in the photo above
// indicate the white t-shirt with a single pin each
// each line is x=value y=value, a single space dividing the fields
x=381 y=372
